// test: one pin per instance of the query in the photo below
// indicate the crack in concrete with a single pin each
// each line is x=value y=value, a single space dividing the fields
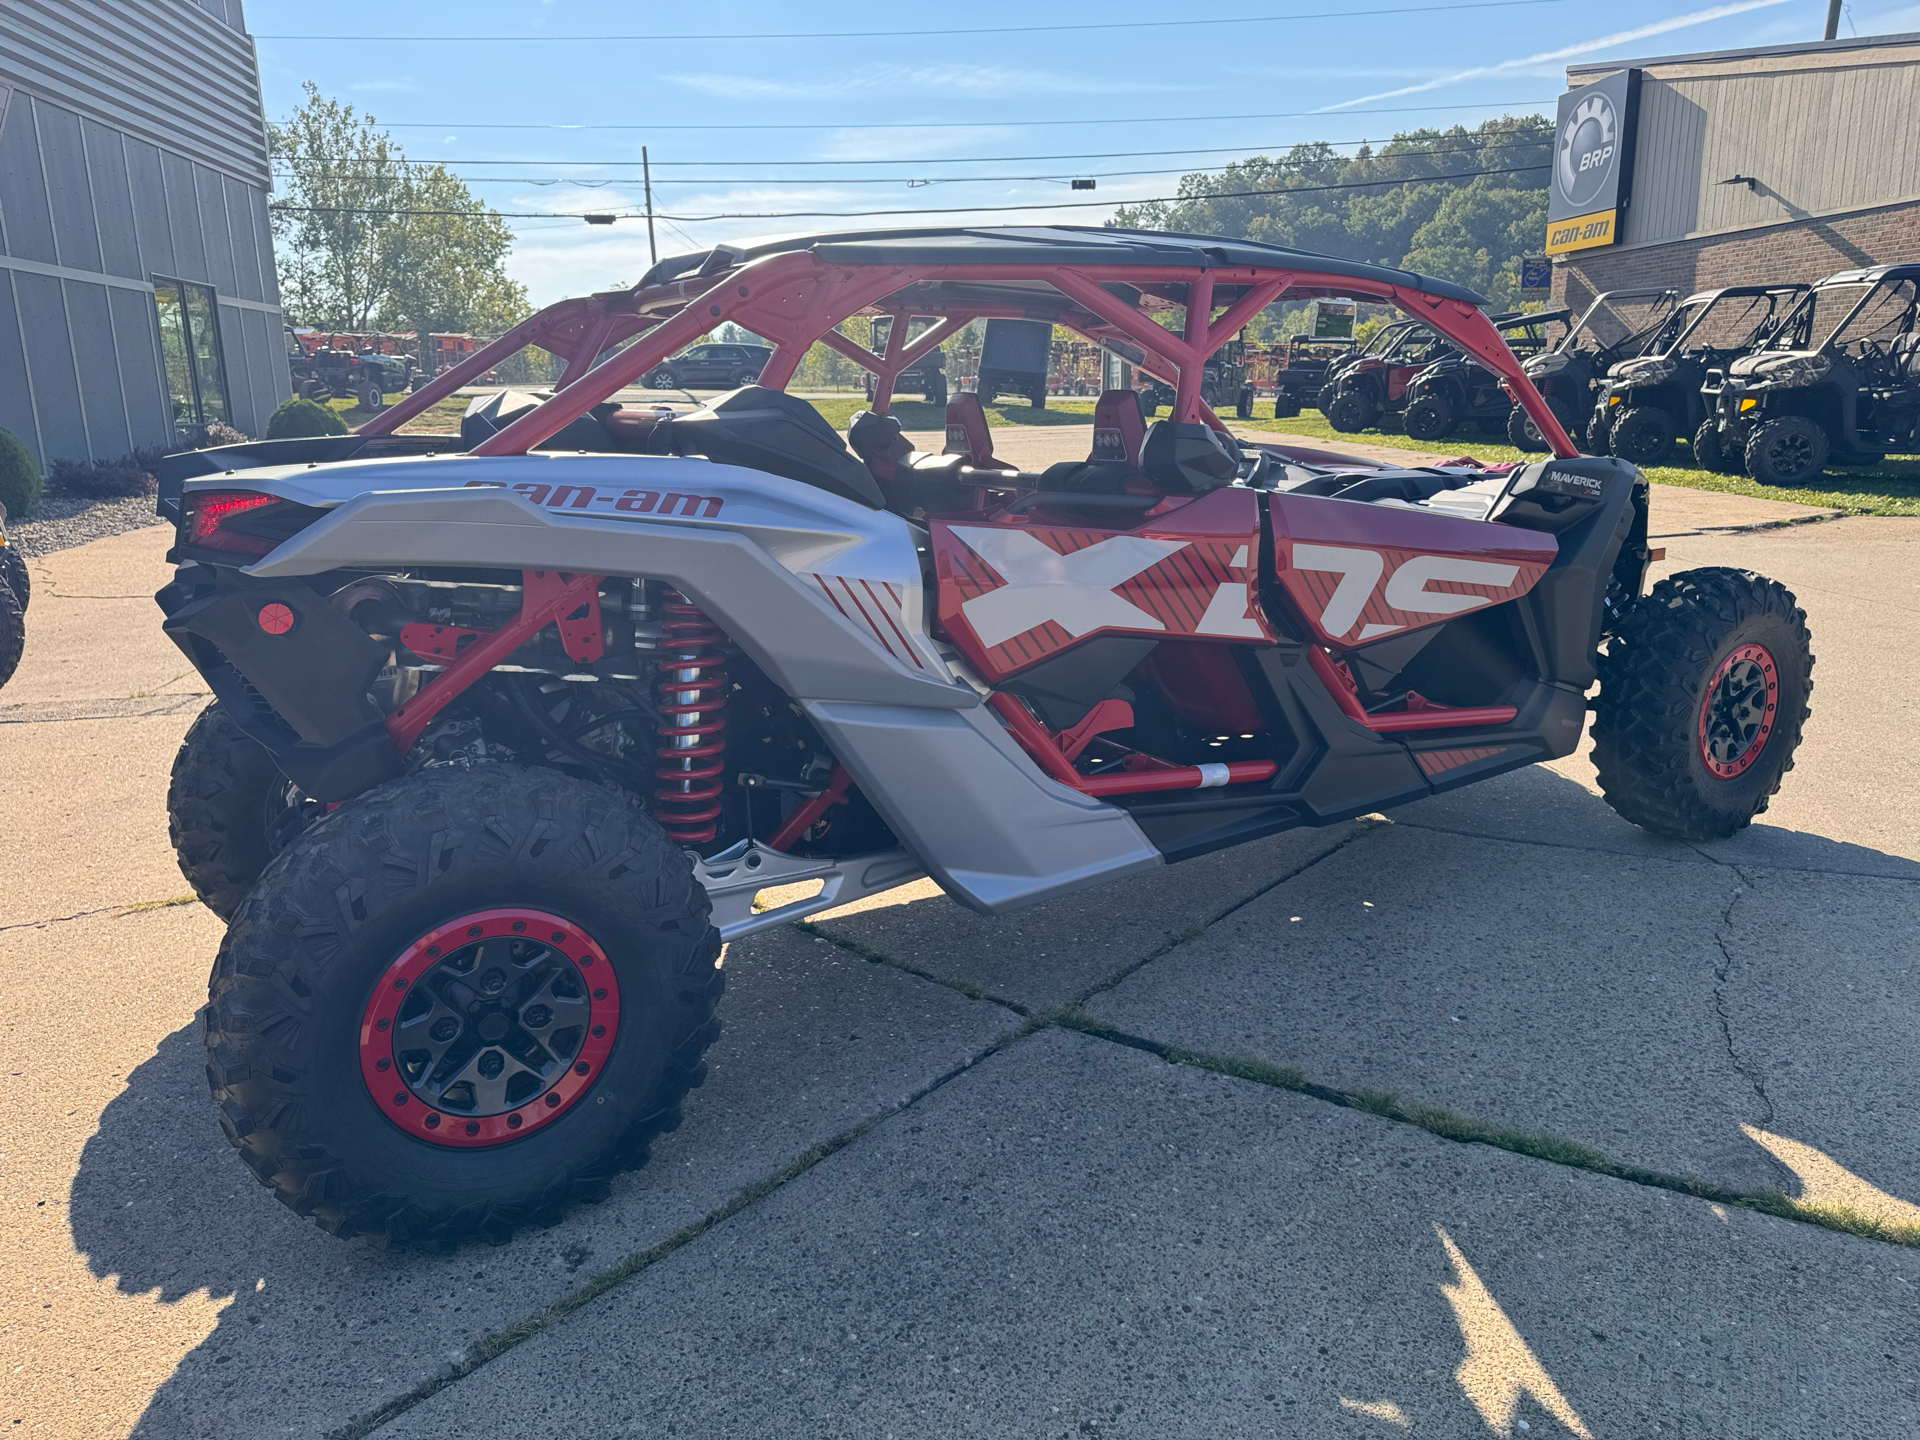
x=1721 y=974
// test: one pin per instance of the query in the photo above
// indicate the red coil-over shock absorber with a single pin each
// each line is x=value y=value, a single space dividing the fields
x=693 y=724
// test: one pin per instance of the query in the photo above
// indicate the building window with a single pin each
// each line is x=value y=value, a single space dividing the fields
x=190 y=347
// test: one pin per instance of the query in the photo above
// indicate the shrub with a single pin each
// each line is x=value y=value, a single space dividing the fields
x=100 y=479
x=213 y=433
x=298 y=419
x=19 y=478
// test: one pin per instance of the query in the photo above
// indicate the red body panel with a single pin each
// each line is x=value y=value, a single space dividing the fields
x=1013 y=590
x=1360 y=572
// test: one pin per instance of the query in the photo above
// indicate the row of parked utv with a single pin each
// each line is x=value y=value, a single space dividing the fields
x=1776 y=381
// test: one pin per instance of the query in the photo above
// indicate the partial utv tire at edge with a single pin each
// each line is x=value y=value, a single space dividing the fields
x=452 y=919
x=218 y=810
x=1710 y=450
x=1351 y=412
x=15 y=575
x=13 y=632
x=1703 y=695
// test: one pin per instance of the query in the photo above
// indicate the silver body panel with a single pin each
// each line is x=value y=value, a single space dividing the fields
x=825 y=595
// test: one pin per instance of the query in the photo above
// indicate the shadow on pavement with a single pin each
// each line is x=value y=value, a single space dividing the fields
x=326 y=1330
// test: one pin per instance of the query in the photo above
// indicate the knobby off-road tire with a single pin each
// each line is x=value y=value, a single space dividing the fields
x=1429 y=418
x=1710 y=450
x=1522 y=433
x=1351 y=412
x=15 y=576
x=220 y=810
x=1790 y=450
x=1642 y=435
x=13 y=632
x=1703 y=694
x=315 y=1059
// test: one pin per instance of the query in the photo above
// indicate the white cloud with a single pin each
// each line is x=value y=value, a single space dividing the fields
x=953 y=79
x=1533 y=64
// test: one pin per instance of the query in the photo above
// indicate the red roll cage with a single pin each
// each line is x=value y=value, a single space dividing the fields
x=794 y=298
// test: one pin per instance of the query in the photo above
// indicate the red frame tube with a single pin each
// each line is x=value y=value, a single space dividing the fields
x=1045 y=749
x=1440 y=717
x=538 y=606
x=794 y=299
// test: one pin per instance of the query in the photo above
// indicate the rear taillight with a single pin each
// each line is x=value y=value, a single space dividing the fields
x=216 y=520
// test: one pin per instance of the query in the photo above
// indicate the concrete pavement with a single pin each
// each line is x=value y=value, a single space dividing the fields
x=900 y=1206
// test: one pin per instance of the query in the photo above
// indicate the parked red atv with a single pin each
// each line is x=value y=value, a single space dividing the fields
x=506 y=742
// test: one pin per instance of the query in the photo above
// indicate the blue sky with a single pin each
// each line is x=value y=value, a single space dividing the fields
x=949 y=120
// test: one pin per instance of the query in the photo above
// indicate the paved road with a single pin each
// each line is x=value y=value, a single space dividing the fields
x=1122 y=1164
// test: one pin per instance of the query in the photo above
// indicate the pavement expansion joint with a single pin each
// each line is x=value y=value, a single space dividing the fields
x=880 y=957
x=1367 y=826
x=1538 y=1145
x=493 y=1345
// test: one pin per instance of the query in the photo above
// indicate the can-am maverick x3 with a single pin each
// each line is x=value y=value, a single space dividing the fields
x=506 y=742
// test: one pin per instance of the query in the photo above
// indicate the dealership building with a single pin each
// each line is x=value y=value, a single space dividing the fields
x=137 y=292
x=1781 y=163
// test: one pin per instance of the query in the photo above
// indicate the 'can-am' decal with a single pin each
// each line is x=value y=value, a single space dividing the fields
x=627 y=501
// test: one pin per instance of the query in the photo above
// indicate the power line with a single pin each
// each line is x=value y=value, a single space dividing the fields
x=956 y=124
x=926 y=210
x=657 y=39
x=958 y=159
x=281 y=168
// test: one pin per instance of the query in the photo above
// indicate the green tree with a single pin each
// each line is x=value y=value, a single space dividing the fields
x=367 y=240
x=1471 y=230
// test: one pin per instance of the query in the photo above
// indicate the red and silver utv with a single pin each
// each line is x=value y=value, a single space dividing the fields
x=511 y=730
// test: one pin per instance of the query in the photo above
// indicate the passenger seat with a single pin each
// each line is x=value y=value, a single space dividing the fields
x=1119 y=429
x=968 y=435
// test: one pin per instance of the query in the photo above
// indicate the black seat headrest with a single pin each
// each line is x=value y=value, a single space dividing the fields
x=1188 y=459
x=878 y=440
x=770 y=430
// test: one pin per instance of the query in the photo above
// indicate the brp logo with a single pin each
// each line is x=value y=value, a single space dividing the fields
x=1589 y=143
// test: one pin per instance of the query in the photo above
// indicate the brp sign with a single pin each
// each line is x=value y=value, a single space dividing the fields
x=1592 y=156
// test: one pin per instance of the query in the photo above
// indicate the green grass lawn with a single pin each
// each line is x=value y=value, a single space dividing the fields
x=1889 y=489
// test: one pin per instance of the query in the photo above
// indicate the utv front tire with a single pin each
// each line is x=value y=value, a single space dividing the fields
x=1703 y=693
x=1788 y=451
x=1351 y=412
x=223 y=810
x=1642 y=435
x=1429 y=418
x=462 y=1003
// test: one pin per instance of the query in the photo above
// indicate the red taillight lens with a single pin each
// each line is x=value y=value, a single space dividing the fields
x=208 y=512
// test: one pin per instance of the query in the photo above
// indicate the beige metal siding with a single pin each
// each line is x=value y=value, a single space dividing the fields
x=165 y=70
x=1817 y=141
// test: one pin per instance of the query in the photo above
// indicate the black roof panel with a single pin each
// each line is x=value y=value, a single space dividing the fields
x=1055 y=245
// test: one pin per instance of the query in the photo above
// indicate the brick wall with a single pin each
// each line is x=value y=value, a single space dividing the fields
x=1794 y=250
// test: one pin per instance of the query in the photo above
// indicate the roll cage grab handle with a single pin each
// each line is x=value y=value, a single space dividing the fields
x=794 y=299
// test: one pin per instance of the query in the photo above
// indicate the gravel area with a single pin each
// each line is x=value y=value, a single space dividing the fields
x=60 y=522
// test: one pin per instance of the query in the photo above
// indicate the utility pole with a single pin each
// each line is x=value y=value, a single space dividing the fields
x=1833 y=20
x=646 y=178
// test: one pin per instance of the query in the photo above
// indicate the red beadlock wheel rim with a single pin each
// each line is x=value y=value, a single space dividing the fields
x=488 y=1027
x=1738 y=710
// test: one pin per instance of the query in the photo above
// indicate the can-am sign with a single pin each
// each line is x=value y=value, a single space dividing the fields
x=1592 y=163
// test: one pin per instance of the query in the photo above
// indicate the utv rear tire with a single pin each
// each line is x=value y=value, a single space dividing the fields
x=1522 y=433
x=220 y=810
x=1430 y=418
x=323 y=945
x=1243 y=403
x=1710 y=450
x=1703 y=693
x=937 y=393
x=1286 y=405
x=1642 y=435
x=13 y=632
x=14 y=575
x=1788 y=451
x=1351 y=412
